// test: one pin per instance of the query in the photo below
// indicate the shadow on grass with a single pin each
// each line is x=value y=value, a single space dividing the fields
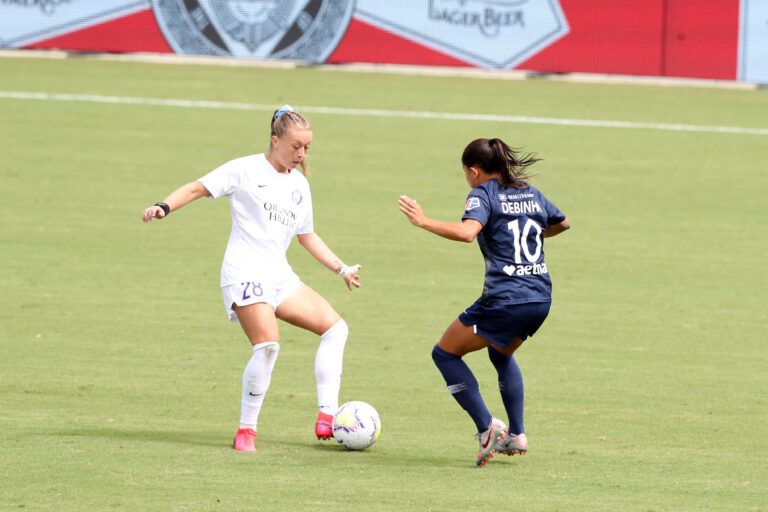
x=320 y=446
x=154 y=436
x=382 y=456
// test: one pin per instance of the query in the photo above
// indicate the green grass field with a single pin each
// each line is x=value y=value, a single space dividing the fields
x=647 y=388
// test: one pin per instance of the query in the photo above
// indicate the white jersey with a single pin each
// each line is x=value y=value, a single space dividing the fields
x=268 y=209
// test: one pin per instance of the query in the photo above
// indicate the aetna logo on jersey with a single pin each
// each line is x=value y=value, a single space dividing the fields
x=284 y=216
x=526 y=270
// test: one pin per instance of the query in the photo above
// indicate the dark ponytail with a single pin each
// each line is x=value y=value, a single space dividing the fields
x=494 y=156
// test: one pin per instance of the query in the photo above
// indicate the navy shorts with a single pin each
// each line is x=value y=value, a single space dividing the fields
x=501 y=324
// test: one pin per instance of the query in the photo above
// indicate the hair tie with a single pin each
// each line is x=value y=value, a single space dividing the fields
x=282 y=110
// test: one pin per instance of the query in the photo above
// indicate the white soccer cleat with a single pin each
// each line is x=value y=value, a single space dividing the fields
x=488 y=441
x=512 y=444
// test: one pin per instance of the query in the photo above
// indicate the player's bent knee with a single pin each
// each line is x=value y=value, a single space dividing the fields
x=441 y=356
x=261 y=345
x=258 y=382
x=261 y=337
x=338 y=327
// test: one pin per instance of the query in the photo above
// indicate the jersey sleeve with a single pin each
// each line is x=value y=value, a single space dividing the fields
x=554 y=215
x=478 y=206
x=223 y=180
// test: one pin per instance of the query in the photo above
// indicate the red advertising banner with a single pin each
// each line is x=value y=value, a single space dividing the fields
x=679 y=38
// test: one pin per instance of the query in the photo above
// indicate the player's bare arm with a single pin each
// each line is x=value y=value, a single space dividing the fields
x=322 y=253
x=465 y=231
x=175 y=200
x=556 y=229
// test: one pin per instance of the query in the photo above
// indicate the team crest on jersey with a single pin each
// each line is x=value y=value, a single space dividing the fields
x=277 y=29
x=472 y=203
x=297 y=197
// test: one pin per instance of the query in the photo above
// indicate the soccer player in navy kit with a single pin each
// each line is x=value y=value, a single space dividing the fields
x=510 y=219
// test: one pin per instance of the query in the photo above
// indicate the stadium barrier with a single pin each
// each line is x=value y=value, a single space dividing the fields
x=709 y=39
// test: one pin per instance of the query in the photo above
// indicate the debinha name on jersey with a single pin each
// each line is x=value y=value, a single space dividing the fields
x=520 y=207
x=283 y=216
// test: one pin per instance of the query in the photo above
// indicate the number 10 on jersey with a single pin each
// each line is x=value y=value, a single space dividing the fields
x=520 y=239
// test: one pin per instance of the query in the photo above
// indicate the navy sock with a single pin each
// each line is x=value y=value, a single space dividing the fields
x=511 y=388
x=463 y=386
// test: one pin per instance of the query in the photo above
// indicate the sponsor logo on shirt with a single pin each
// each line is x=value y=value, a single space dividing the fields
x=472 y=203
x=526 y=270
x=284 y=216
x=297 y=197
x=512 y=197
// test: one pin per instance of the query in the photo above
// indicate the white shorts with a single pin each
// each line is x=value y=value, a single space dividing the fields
x=273 y=291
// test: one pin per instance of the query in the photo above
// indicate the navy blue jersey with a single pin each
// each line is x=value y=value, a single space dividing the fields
x=512 y=241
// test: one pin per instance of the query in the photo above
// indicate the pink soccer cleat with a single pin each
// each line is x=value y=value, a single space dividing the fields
x=244 y=440
x=324 y=426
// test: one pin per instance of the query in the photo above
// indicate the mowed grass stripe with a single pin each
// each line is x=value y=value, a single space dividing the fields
x=372 y=112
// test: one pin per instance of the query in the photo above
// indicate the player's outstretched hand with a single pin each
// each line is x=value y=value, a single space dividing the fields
x=153 y=212
x=351 y=276
x=412 y=210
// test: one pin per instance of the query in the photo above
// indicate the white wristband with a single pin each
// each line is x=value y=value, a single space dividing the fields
x=343 y=270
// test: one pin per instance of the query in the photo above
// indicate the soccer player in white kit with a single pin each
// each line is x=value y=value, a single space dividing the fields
x=271 y=203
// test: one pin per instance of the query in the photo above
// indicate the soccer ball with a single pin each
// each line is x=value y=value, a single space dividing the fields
x=356 y=425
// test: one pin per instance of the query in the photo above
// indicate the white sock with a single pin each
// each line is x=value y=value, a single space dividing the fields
x=256 y=378
x=328 y=361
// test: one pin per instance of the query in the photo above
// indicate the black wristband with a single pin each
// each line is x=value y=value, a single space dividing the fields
x=165 y=207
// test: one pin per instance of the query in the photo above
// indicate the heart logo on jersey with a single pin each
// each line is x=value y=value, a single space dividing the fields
x=509 y=269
